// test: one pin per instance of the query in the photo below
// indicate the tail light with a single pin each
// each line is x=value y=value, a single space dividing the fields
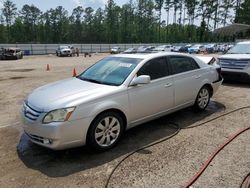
x=218 y=69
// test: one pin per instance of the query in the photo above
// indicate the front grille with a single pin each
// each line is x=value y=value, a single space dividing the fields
x=30 y=112
x=234 y=63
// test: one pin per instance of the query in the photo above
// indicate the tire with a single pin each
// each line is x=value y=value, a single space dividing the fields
x=105 y=131
x=202 y=99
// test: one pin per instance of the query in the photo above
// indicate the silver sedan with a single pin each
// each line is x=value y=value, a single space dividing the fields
x=115 y=94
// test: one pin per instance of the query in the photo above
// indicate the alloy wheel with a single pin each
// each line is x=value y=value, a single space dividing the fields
x=107 y=131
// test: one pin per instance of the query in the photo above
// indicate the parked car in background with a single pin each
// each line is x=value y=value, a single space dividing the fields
x=211 y=48
x=196 y=49
x=115 y=50
x=63 y=51
x=115 y=94
x=184 y=49
x=11 y=53
x=162 y=48
x=130 y=51
x=236 y=62
x=145 y=49
x=176 y=48
x=2 y=54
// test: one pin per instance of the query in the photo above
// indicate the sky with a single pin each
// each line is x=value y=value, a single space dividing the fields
x=69 y=5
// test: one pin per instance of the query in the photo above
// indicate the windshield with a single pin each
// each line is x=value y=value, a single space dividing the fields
x=110 y=70
x=64 y=47
x=240 y=49
x=161 y=48
x=196 y=46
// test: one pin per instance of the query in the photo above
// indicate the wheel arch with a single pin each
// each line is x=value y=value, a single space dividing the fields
x=120 y=112
x=210 y=88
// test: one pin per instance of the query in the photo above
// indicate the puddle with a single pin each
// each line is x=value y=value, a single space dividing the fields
x=215 y=107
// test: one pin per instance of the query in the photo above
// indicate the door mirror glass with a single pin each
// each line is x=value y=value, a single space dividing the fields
x=143 y=79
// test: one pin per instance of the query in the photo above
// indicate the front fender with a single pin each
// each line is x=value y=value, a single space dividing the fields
x=94 y=108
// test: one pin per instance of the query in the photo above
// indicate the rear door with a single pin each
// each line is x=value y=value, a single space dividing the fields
x=186 y=77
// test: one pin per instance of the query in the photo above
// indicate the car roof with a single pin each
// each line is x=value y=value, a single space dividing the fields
x=151 y=55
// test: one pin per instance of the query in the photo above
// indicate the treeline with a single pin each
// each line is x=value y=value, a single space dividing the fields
x=137 y=21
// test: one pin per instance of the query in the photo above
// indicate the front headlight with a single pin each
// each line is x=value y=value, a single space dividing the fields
x=59 y=115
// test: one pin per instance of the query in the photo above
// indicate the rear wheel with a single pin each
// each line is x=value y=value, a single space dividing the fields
x=202 y=98
x=105 y=130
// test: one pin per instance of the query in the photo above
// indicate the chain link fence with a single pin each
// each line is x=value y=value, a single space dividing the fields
x=42 y=49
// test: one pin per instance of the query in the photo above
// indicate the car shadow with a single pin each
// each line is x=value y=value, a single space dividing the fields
x=66 y=162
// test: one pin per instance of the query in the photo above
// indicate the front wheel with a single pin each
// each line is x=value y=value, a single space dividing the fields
x=202 y=99
x=105 y=130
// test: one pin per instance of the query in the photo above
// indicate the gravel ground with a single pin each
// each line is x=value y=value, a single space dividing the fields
x=168 y=164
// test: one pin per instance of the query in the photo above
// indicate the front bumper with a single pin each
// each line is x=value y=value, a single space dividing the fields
x=57 y=135
x=236 y=76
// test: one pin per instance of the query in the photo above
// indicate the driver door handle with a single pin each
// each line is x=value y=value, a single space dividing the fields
x=197 y=76
x=168 y=85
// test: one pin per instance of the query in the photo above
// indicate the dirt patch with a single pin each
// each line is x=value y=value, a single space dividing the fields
x=17 y=77
x=168 y=164
x=13 y=78
x=20 y=70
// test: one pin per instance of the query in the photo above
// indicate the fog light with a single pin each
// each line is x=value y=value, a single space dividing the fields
x=47 y=141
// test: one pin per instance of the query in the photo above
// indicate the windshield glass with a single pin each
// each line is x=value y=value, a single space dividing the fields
x=64 y=47
x=160 y=48
x=110 y=70
x=196 y=46
x=240 y=49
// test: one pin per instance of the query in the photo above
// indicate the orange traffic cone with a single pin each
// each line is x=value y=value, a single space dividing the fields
x=74 y=72
x=48 y=68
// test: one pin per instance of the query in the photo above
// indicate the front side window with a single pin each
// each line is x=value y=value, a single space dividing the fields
x=155 y=68
x=110 y=70
x=182 y=64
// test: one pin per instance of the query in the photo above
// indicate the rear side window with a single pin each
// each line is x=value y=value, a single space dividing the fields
x=155 y=68
x=182 y=64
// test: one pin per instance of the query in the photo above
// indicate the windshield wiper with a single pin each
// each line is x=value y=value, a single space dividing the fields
x=96 y=81
x=90 y=80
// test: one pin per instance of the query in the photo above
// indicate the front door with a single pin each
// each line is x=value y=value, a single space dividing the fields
x=154 y=98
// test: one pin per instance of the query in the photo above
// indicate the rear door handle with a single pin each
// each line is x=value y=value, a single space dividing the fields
x=168 y=85
x=197 y=76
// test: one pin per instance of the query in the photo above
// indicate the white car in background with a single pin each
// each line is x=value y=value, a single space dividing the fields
x=116 y=94
x=64 y=51
x=235 y=63
x=163 y=48
x=115 y=50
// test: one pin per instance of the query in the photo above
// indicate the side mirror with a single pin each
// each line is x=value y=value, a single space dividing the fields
x=143 y=79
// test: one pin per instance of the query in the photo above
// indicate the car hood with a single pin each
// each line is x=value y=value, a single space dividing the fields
x=66 y=93
x=235 y=56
